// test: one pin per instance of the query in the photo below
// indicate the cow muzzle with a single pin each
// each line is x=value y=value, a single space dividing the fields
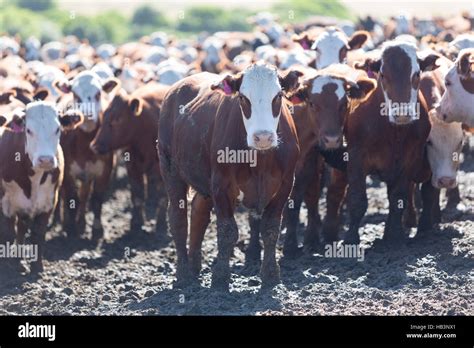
x=45 y=162
x=264 y=140
x=446 y=182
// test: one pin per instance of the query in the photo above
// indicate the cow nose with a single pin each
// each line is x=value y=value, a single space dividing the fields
x=263 y=140
x=446 y=182
x=46 y=161
x=332 y=141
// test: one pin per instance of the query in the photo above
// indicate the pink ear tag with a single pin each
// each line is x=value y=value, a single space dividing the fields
x=227 y=88
x=371 y=74
x=305 y=45
x=16 y=128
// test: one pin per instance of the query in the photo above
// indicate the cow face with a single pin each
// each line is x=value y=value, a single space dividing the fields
x=443 y=149
x=329 y=98
x=458 y=99
x=260 y=92
x=331 y=45
x=117 y=121
x=89 y=97
x=399 y=70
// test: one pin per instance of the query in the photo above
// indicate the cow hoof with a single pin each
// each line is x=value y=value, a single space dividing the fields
x=351 y=239
x=269 y=281
x=97 y=233
x=292 y=252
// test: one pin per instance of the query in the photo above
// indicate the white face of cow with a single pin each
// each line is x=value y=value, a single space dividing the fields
x=444 y=148
x=260 y=103
x=42 y=130
x=458 y=99
x=328 y=46
x=87 y=90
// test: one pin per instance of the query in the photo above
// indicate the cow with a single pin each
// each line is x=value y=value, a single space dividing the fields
x=130 y=122
x=204 y=116
x=331 y=44
x=457 y=101
x=88 y=94
x=386 y=135
x=322 y=104
x=31 y=172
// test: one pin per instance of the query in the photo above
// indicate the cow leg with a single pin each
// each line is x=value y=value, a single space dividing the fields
x=70 y=202
x=200 y=217
x=290 y=248
x=409 y=216
x=428 y=196
x=313 y=192
x=270 y=230
x=357 y=202
x=454 y=198
x=137 y=187
x=227 y=231
x=254 y=248
x=40 y=224
x=162 y=204
x=437 y=208
x=101 y=185
x=84 y=191
x=334 y=201
x=397 y=198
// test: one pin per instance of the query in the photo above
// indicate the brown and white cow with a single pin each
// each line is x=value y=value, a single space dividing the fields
x=31 y=172
x=331 y=45
x=458 y=100
x=130 y=122
x=323 y=103
x=205 y=116
x=386 y=136
x=88 y=94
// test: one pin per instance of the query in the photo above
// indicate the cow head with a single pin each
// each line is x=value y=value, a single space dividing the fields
x=331 y=45
x=444 y=146
x=458 y=99
x=328 y=97
x=117 y=122
x=399 y=69
x=88 y=91
x=260 y=90
x=42 y=123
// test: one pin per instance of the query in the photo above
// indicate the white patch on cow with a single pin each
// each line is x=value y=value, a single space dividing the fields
x=240 y=197
x=260 y=84
x=328 y=45
x=42 y=197
x=212 y=46
x=90 y=171
x=321 y=81
x=457 y=103
x=444 y=147
x=43 y=130
x=410 y=51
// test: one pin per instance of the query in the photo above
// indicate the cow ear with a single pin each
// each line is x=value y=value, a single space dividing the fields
x=136 y=104
x=358 y=39
x=290 y=80
x=370 y=65
x=464 y=63
x=361 y=89
x=62 y=85
x=110 y=85
x=41 y=94
x=5 y=97
x=17 y=123
x=3 y=120
x=304 y=40
x=428 y=63
x=229 y=85
x=71 y=119
x=299 y=96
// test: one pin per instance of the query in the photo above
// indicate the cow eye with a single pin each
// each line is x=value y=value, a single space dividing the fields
x=29 y=132
x=429 y=143
x=58 y=130
x=447 y=83
x=97 y=96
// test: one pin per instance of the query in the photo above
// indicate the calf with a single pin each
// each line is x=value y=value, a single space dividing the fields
x=205 y=116
x=31 y=172
x=458 y=99
x=386 y=136
x=93 y=171
x=324 y=101
x=130 y=122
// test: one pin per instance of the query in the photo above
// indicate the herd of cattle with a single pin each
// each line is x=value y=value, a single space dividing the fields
x=394 y=100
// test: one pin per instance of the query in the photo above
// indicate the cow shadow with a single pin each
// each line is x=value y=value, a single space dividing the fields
x=200 y=300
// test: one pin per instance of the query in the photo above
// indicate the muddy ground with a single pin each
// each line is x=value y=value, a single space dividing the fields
x=132 y=273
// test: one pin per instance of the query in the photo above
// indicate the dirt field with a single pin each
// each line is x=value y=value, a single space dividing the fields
x=131 y=272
